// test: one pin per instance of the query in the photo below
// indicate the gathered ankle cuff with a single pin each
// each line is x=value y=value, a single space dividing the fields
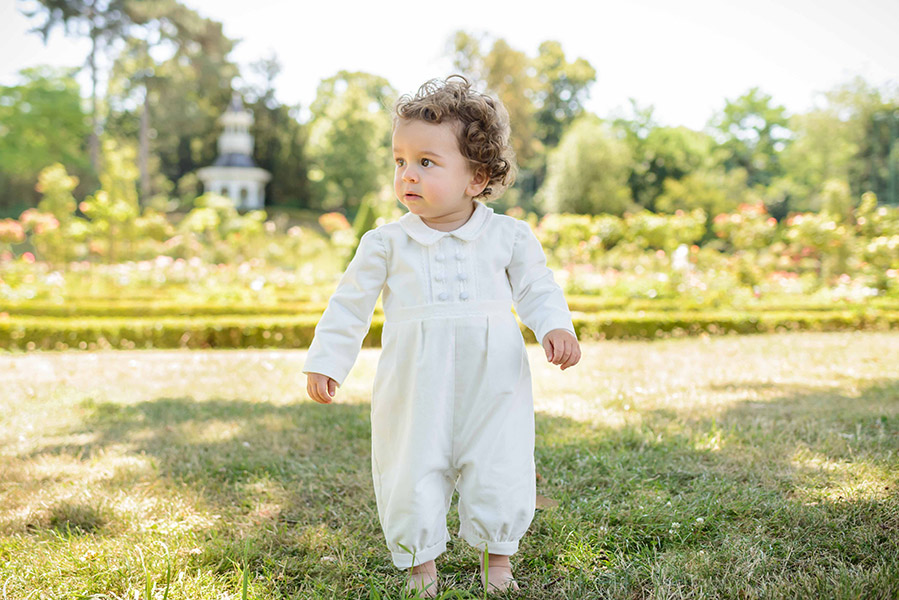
x=403 y=560
x=507 y=548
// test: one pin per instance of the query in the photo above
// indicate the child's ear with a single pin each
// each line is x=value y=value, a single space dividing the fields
x=478 y=182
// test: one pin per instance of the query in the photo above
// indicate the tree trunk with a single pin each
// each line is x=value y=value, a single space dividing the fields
x=144 y=149
x=94 y=140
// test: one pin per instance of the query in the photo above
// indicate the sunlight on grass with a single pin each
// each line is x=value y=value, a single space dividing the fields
x=841 y=479
x=212 y=431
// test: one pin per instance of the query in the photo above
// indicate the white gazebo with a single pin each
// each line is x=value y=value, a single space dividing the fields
x=234 y=174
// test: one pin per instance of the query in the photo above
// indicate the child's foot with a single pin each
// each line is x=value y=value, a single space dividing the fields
x=423 y=580
x=499 y=576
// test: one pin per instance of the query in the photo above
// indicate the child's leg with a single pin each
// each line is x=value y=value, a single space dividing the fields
x=494 y=443
x=412 y=412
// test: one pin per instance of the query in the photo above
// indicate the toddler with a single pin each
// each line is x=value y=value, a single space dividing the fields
x=451 y=407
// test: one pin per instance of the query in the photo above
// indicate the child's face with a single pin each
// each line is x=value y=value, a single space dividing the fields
x=433 y=180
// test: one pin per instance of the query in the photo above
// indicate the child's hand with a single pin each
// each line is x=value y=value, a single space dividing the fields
x=320 y=388
x=562 y=348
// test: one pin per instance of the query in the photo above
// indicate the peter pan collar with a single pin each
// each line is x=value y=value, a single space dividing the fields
x=424 y=235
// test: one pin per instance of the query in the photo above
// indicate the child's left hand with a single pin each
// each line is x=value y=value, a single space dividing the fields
x=562 y=348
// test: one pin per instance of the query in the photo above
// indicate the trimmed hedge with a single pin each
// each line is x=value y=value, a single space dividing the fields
x=156 y=309
x=585 y=304
x=278 y=331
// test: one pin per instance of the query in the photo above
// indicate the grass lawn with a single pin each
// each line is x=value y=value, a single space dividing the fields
x=761 y=466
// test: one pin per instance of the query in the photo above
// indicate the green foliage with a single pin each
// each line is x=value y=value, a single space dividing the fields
x=55 y=185
x=27 y=142
x=543 y=95
x=823 y=236
x=216 y=224
x=870 y=126
x=878 y=230
x=588 y=172
x=823 y=149
x=579 y=238
x=712 y=191
x=103 y=21
x=752 y=134
x=181 y=93
x=563 y=88
x=113 y=209
x=56 y=233
x=750 y=227
x=279 y=139
x=875 y=221
x=653 y=231
x=661 y=154
x=349 y=138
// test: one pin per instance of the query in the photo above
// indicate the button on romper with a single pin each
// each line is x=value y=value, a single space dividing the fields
x=451 y=406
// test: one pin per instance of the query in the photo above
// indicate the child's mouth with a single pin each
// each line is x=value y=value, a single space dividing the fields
x=413 y=197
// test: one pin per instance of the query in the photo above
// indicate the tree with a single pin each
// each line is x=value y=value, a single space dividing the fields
x=132 y=77
x=823 y=150
x=752 y=134
x=563 y=88
x=871 y=123
x=349 y=138
x=168 y=87
x=279 y=138
x=712 y=190
x=660 y=153
x=102 y=21
x=588 y=171
x=543 y=95
x=508 y=74
x=113 y=209
x=41 y=123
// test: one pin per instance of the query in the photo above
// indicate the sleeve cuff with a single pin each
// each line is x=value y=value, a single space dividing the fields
x=326 y=368
x=557 y=323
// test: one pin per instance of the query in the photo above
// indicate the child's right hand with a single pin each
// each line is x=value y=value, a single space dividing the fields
x=320 y=388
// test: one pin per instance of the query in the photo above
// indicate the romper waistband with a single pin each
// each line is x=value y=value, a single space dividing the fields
x=448 y=310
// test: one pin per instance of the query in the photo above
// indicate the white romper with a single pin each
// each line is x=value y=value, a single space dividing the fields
x=451 y=406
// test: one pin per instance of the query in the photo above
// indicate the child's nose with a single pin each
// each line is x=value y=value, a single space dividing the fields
x=410 y=175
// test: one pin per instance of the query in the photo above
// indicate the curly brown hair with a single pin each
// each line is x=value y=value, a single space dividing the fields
x=484 y=132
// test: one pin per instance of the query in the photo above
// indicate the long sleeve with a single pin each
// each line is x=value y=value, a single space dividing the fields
x=538 y=299
x=346 y=320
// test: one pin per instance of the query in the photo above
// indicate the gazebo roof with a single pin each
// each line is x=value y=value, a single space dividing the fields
x=236 y=104
x=234 y=160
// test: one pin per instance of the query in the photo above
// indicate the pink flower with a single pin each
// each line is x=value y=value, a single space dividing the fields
x=11 y=231
x=28 y=257
x=333 y=221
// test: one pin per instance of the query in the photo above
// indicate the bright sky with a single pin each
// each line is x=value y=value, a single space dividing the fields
x=684 y=57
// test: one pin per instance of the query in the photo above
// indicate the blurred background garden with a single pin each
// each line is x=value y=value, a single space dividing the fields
x=761 y=221
x=182 y=183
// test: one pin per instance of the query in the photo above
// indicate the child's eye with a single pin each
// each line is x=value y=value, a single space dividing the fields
x=400 y=162
x=426 y=162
